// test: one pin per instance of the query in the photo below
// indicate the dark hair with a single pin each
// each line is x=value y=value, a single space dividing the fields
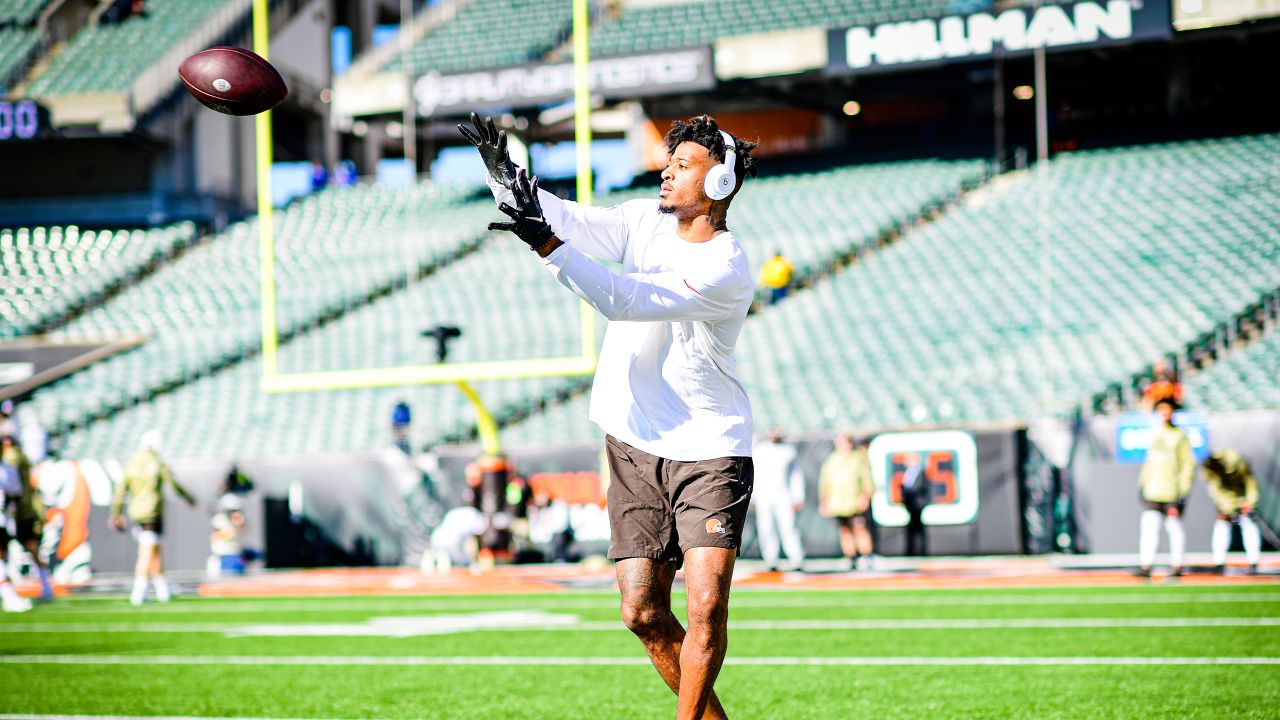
x=1167 y=401
x=704 y=131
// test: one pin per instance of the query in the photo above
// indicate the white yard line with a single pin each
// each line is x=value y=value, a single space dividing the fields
x=741 y=599
x=390 y=625
x=504 y=661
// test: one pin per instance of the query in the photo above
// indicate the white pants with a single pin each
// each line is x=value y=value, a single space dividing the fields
x=1248 y=533
x=776 y=524
x=1150 y=538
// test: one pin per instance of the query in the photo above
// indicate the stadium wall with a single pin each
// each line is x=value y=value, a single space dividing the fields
x=1105 y=492
x=303 y=511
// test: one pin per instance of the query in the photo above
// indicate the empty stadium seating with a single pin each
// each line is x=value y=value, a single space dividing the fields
x=48 y=271
x=16 y=48
x=107 y=57
x=506 y=304
x=20 y=12
x=489 y=33
x=334 y=245
x=333 y=249
x=1247 y=380
x=663 y=26
x=1149 y=247
x=812 y=217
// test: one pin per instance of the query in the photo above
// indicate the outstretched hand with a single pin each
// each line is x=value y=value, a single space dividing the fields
x=527 y=221
x=492 y=144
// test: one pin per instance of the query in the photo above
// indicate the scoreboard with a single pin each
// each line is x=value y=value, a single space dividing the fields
x=22 y=120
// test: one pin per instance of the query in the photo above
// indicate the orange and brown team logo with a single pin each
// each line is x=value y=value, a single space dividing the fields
x=715 y=527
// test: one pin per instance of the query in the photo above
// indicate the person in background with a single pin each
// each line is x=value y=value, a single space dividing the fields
x=401 y=420
x=236 y=481
x=778 y=496
x=845 y=489
x=145 y=478
x=29 y=511
x=8 y=426
x=10 y=493
x=1165 y=482
x=345 y=173
x=319 y=176
x=776 y=274
x=226 y=543
x=454 y=540
x=917 y=493
x=1235 y=493
x=1164 y=385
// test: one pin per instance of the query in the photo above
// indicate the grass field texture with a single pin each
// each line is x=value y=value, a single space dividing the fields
x=1117 y=652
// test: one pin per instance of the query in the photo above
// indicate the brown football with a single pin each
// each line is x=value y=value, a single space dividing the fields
x=233 y=81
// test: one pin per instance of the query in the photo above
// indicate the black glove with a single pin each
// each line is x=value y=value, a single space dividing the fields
x=492 y=144
x=527 y=221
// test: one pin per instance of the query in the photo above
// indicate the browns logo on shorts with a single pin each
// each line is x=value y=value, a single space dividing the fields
x=660 y=508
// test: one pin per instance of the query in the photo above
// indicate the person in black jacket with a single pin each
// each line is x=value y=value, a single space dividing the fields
x=916 y=494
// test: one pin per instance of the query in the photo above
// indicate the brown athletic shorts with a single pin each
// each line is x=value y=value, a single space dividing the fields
x=660 y=508
x=1163 y=507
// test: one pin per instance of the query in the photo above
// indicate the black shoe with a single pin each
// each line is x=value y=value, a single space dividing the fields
x=1176 y=572
x=1253 y=569
x=1142 y=572
x=1219 y=569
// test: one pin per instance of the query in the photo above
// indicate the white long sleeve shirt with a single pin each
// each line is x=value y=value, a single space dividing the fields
x=666 y=381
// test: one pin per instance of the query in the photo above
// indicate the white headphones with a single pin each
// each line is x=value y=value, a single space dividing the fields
x=720 y=180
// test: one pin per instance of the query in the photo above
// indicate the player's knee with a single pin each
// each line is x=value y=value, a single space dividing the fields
x=642 y=618
x=708 y=609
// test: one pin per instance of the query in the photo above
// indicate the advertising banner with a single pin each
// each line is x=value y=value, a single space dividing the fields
x=949 y=461
x=1017 y=30
x=1133 y=434
x=634 y=75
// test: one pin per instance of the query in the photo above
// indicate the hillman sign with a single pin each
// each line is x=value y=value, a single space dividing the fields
x=982 y=35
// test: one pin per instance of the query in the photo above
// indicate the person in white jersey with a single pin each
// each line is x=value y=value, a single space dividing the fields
x=666 y=392
x=777 y=497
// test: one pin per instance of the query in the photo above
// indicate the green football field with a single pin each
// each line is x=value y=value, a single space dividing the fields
x=1144 y=651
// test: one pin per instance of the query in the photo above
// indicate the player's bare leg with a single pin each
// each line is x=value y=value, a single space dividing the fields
x=708 y=572
x=862 y=536
x=847 y=544
x=33 y=549
x=646 y=611
x=158 y=580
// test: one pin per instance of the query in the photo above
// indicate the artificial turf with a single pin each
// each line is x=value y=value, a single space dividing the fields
x=79 y=630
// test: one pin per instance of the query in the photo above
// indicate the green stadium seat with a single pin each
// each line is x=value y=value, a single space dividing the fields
x=20 y=13
x=1247 y=380
x=17 y=46
x=491 y=33
x=340 y=243
x=50 y=270
x=106 y=58
x=671 y=25
x=945 y=326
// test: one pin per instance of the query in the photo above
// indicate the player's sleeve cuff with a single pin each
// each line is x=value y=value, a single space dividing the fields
x=556 y=259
